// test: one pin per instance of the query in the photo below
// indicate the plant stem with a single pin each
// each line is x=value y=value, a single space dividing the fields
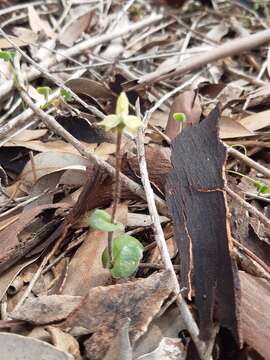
x=117 y=191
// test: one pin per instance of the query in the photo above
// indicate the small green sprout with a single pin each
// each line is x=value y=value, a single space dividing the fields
x=8 y=56
x=123 y=253
x=66 y=95
x=180 y=117
x=261 y=187
x=101 y=220
x=258 y=184
x=121 y=119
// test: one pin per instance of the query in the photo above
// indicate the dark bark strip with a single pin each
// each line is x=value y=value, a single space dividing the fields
x=196 y=199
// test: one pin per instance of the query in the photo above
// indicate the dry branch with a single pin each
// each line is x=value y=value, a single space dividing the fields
x=234 y=47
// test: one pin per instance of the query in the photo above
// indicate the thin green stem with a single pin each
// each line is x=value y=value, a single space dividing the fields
x=117 y=192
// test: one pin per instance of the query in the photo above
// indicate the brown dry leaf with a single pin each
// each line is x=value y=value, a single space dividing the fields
x=37 y=24
x=19 y=237
x=8 y=276
x=189 y=105
x=52 y=146
x=46 y=309
x=90 y=88
x=64 y=341
x=102 y=309
x=18 y=347
x=5 y=44
x=256 y=121
x=74 y=29
x=196 y=198
x=168 y=349
x=28 y=135
x=168 y=325
x=49 y=162
x=120 y=348
x=85 y=270
x=230 y=129
x=255 y=315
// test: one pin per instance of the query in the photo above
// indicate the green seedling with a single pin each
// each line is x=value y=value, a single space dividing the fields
x=258 y=184
x=45 y=91
x=180 y=117
x=8 y=56
x=123 y=254
x=66 y=95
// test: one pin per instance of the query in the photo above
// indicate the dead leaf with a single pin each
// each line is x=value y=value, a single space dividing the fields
x=255 y=315
x=196 y=198
x=74 y=29
x=230 y=129
x=46 y=309
x=37 y=24
x=102 y=309
x=120 y=348
x=5 y=44
x=256 y=121
x=17 y=239
x=168 y=325
x=8 y=276
x=49 y=162
x=18 y=347
x=168 y=349
x=64 y=342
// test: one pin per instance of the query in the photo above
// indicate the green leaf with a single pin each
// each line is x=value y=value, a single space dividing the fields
x=66 y=95
x=180 y=117
x=127 y=252
x=122 y=104
x=261 y=187
x=7 y=55
x=132 y=122
x=45 y=91
x=101 y=220
x=110 y=122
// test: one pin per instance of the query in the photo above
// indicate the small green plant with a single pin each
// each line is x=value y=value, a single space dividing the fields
x=66 y=95
x=258 y=184
x=123 y=254
x=8 y=56
x=45 y=91
x=180 y=117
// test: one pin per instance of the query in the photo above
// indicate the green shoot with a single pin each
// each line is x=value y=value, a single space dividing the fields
x=180 y=117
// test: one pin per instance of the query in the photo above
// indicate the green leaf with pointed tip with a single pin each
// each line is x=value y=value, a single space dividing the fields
x=66 y=95
x=122 y=104
x=180 y=117
x=110 y=122
x=101 y=220
x=132 y=122
x=261 y=187
x=7 y=55
x=127 y=252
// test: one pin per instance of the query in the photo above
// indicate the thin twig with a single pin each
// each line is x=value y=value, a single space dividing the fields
x=161 y=242
x=249 y=207
x=51 y=123
x=77 y=49
x=234 y=47
x=247 y=160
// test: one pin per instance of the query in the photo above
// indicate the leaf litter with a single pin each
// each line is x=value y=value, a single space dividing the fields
x=219 y=247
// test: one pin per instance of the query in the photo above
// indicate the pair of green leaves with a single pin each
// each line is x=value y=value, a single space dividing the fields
x=121 y=119
x=127 y=251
